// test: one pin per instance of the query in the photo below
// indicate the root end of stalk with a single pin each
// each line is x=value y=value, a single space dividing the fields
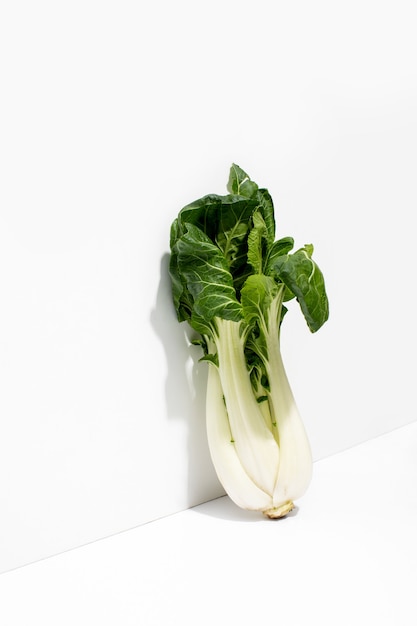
x=279 y=511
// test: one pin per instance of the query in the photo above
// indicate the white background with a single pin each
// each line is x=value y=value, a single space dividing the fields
x=113 y=115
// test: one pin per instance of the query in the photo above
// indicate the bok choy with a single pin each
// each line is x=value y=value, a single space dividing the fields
x=230 y=279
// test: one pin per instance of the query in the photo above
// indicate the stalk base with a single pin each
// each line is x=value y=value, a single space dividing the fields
x=279 y=511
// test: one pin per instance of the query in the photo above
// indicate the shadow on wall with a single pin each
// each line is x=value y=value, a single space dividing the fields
x=185 y=390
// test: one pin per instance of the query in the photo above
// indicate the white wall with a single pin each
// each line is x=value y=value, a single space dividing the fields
x=113 y=116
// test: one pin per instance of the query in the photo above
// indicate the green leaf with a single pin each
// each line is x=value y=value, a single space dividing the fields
x=226 y=220
x=263 y=313
x=211 y=358
x=257 y=295
x=182 y=301
x=220 y=243
x=205 y=278
x=303 y=277
x=239 y=182
x=257 y=243
x=234 y=225
x=266 y=206
x=278 y=248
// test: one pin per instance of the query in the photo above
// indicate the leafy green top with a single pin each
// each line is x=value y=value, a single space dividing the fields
x=224 y=257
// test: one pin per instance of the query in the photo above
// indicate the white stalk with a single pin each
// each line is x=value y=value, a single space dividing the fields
x=254 y=442
x=263 y=464
x=296 y=465
x=236 y=482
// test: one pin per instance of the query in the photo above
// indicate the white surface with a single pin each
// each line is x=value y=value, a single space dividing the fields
x=114 y=115
x=347 y=556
